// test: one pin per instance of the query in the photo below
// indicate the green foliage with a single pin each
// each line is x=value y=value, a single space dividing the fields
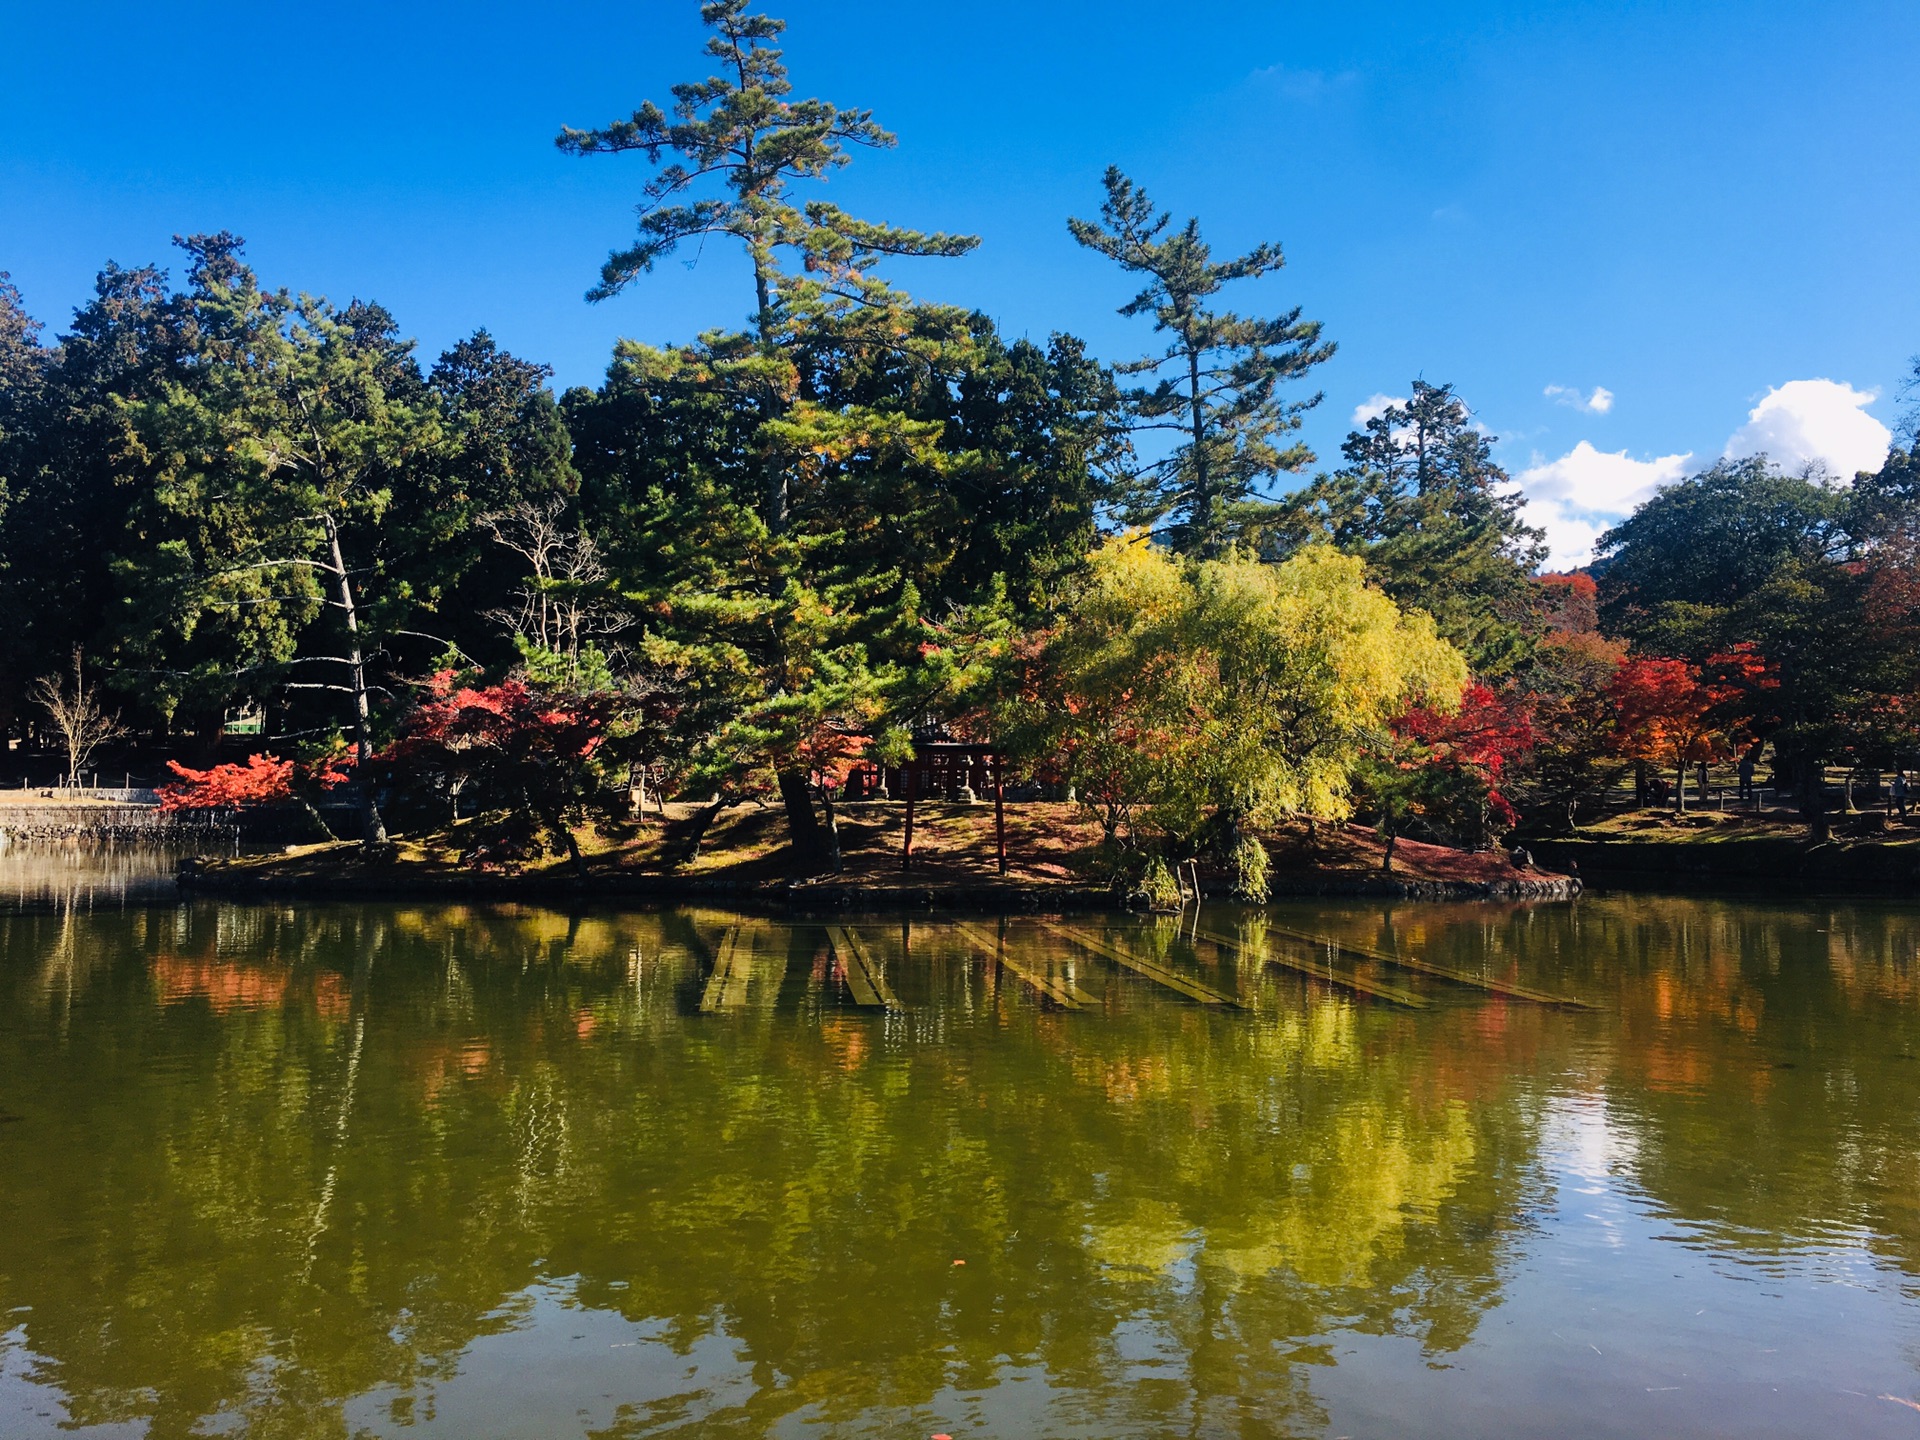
x=1099 y=691
x=279 y=415
x=739 y=131
x=1685 y=571
x=1296 y=665
x=23 y=375
x=67 y=494
x=784 y=546
x=1252 y=870
x=1215 y=384
x=1158 y=889
x=1222 y=695
x=1423 y=503
x=503 y=444
x=772 y=550
x=185 y=455
x=588 y=671
x=1744 y=554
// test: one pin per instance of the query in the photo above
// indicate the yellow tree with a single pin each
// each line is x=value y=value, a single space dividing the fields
x=1099 y=692
x=1294 y=670
x=1222 y=695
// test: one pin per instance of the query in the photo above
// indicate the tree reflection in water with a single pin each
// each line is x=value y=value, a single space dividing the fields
x=338 y=1169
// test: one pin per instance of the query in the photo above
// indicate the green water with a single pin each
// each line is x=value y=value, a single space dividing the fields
x=373 y=1170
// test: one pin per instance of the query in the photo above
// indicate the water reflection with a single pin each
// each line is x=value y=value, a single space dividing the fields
x=358 y=1169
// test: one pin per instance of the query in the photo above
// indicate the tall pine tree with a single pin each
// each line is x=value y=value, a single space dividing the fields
x=1214 y=388
x=1422 y=501
x=763 y=620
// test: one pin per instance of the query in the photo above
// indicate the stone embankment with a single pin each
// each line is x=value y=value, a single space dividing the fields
x=1739 y=862
x=1524 y=885
x=76 y=814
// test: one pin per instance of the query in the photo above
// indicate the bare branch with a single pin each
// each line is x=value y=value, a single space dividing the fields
x=84 y=727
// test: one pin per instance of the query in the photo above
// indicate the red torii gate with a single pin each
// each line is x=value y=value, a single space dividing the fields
x=939 y=769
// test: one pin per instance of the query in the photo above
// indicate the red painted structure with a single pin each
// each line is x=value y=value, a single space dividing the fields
x=939 y=770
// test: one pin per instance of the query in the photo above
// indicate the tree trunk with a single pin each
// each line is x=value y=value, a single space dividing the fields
x=1813 y=799
x=803 y=826
x=702 y=823
x=833 y=829
x=1639 y=784
x=1202 y=470
x=777 y=496
x=317 y=820
x=207 y=734
x=1680 y=788
x=373 y=828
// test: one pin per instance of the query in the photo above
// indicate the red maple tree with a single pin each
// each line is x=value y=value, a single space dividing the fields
x=1570 y=602
x=1467 y=752
x=262 y=780
x=514 y=748
x=1669 y=712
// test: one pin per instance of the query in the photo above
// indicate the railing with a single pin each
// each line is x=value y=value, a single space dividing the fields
x=84 y=794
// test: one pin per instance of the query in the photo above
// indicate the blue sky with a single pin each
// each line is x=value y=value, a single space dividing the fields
x=1702 y=210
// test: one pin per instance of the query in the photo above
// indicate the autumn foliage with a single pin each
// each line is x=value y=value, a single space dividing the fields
x=505 y=722
x=261 y=780
x=512 y=747
x=1671 y=713
x=1471 y=748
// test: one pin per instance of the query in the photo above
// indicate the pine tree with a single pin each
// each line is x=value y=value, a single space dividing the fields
x=738 y=128
x=763 y=621
x=1422 y=501
x=23 y=360
x=1216 y=383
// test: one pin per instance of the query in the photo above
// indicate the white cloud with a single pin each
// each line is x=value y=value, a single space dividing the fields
x=1373 y=407
x=1585 y=491
x=1807 y=421
x=1601 y=482
x=1598 y=403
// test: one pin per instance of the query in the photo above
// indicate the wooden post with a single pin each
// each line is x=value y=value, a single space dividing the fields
x=906 y=846
x=1000 y=809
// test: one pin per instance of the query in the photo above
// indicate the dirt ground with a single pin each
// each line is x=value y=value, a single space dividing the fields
x=1047 y=844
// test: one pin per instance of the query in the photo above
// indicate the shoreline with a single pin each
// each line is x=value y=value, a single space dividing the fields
x=257 y=877
x=1702 y=862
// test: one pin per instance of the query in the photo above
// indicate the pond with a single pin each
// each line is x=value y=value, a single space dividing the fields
x=381 y=1170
